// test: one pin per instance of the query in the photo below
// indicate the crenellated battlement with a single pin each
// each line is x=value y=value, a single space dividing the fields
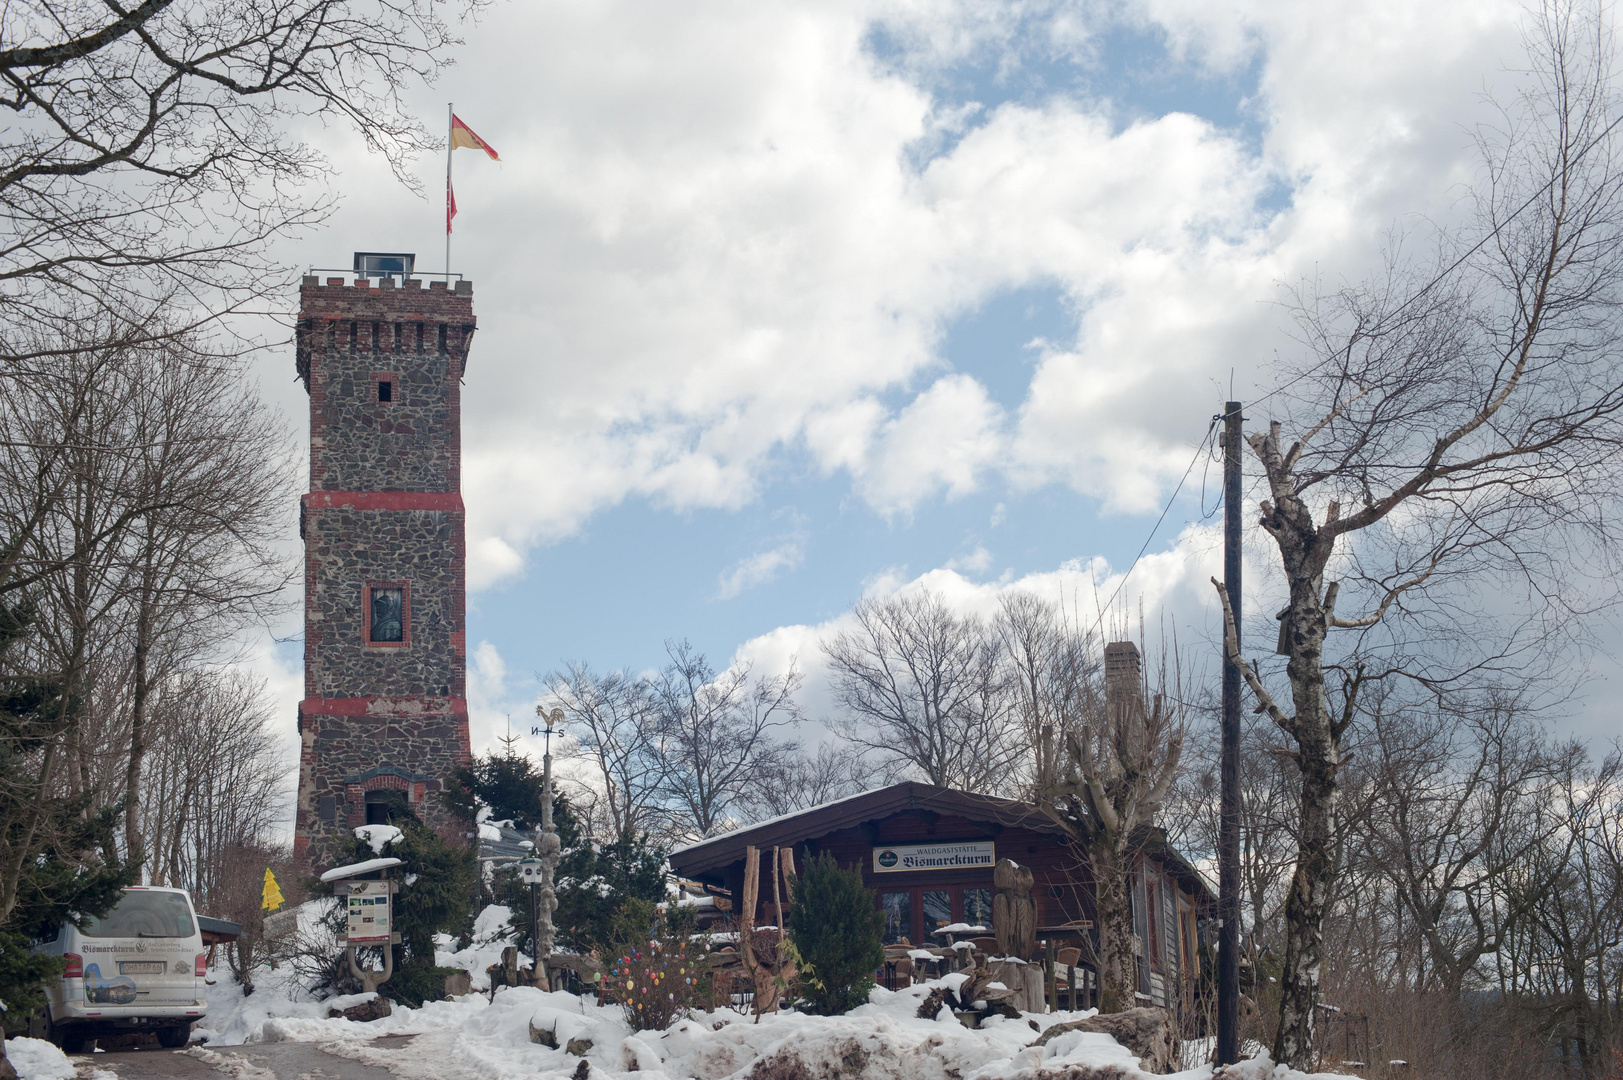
x=386 y=284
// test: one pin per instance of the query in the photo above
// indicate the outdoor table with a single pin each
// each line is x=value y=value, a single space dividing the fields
x=952 y=929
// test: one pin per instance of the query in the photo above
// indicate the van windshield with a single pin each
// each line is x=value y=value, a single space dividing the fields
x=144 y=914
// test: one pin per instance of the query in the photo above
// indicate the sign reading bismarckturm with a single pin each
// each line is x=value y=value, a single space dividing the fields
x=385 y=711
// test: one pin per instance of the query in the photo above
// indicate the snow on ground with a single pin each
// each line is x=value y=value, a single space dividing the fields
x=36 y=1059
x=475 y=1038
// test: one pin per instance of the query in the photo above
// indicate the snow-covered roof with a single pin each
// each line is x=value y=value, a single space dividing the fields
x=357 y=869
x=775 y=820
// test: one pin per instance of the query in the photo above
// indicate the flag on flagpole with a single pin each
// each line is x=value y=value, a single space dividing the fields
x=462 y=136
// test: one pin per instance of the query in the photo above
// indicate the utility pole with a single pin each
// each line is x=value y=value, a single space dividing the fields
x=1228 y=841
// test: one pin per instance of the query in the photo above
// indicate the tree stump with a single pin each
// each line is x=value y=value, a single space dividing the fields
x=1147 y=1032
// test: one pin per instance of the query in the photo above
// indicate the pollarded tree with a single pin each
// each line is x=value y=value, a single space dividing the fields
x=1456 y=428
x=1120 y=755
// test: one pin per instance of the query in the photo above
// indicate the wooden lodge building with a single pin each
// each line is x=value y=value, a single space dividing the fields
x=928 y=852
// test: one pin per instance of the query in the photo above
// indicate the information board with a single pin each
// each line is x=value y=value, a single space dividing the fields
x=369 y=922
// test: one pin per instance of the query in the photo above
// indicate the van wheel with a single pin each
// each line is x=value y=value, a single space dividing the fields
x=74 y=1042
x=174 y=1036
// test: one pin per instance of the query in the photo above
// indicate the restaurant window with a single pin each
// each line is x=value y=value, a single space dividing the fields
x=898 y=909
x=978 y=907
x=937 y=911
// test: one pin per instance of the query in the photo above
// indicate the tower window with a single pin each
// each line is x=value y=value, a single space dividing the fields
x=387 y=611
x=385 y=390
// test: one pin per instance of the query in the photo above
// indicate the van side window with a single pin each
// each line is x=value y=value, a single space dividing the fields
x=46 y=932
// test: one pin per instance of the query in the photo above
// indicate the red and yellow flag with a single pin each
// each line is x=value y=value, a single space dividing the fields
x=461 y=136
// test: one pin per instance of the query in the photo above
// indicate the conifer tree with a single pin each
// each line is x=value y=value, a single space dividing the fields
x=837 y=930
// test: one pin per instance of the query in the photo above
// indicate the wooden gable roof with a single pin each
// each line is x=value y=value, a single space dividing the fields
x=708 y=856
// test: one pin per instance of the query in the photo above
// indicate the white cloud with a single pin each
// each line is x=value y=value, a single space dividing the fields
x=1171 y=584
x=943 y=441
x=975 y=562
x=758 y=569
x=711 y=243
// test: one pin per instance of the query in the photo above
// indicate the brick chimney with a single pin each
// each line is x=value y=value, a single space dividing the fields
x=1124 y=673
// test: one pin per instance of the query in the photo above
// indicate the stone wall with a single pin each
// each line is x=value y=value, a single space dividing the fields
x=345 y=548
x=352 y=336
x=351 y=746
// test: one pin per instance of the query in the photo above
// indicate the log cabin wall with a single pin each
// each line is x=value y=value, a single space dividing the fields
x=1168 y=897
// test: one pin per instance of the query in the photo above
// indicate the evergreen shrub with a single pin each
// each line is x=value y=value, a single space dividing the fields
x=838 y=933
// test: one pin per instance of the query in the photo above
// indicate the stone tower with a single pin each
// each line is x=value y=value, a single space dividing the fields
x=385 y=702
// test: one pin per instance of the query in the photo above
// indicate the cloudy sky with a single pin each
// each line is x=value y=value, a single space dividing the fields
x=785 y=302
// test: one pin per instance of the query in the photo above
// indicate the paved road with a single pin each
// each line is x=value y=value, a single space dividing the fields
x=262 y=1061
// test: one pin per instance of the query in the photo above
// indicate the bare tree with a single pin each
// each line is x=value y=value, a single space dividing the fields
x=215 y=784
x=1050 y=658
x=1456 y=429
x=148 y=157
x=923 y=688
x=792 y=783
x=1448 y=784
x=214 y=468
x=614 y=719
x=720 y=732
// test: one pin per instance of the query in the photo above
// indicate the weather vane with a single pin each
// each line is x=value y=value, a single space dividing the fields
x=553 y=720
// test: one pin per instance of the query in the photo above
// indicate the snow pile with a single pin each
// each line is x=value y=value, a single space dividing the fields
x=36 y=1059
x=491 y=934
x=367 y=866
x=377 y=837
x=475 y=1038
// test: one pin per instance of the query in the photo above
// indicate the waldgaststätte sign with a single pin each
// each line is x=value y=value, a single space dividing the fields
x=898 y=857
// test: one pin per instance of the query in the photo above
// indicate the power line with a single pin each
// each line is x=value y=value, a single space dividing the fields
x=1478 y=246
x=1164 y=511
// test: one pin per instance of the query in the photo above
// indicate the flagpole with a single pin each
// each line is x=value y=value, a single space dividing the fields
x=448 y=116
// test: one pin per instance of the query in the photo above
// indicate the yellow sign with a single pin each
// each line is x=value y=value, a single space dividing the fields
x=271 y=898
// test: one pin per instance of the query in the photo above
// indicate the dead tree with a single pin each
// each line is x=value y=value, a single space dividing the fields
x=1456 y=430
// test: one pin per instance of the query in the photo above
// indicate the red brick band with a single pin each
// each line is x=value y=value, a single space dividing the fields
x=391 y=707
x=384 y=500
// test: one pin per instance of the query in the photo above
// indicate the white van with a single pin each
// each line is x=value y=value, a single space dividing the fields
x=138 y=968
